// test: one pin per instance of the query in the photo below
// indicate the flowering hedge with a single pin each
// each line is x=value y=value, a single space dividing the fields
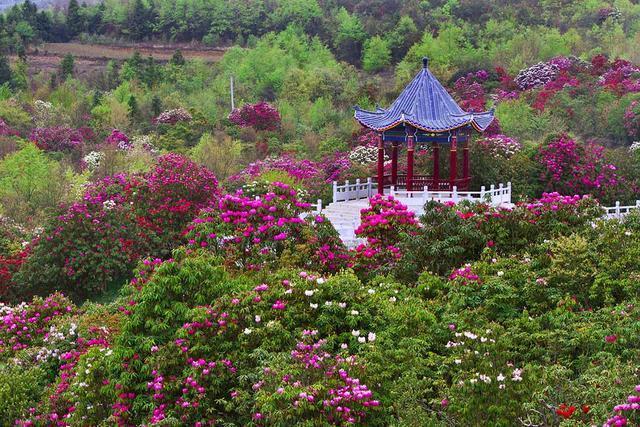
x=313 y=176
x=120 y=220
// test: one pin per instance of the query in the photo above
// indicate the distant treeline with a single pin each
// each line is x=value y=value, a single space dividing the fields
x=386 y=28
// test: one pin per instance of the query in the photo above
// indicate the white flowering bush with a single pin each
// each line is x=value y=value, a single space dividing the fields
x=365 y=155
x=173 y=116
x=43 y=113
x=93 y=160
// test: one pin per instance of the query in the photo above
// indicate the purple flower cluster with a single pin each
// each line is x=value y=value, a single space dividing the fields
x=537 y=75
x=5 y=130
x=59 y=138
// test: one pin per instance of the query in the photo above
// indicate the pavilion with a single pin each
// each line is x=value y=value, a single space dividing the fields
x=424 y=113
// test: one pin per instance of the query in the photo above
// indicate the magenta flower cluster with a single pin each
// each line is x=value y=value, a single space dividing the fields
x=260 y=116
x=625 y=411
x=570 y=167
x=381 y=224
x=464 y=275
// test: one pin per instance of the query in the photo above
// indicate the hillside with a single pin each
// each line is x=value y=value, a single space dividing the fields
x=197 y=229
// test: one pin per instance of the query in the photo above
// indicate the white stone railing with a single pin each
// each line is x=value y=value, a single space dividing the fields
x=496 y=196
x=618 y=211
x=365 y=190
x=353 y=191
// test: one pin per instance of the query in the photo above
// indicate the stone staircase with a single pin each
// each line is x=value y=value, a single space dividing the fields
x=345 y=218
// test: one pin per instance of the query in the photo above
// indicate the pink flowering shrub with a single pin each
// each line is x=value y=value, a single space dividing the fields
x=470 y=91
x=119 y=221
x=627 y=413
x=571 y=167
x=383 y=224
x=260 y=116
x=632 y=120
x=199 y=367
x=314 y=384
x=264 y=228
x=6 y=130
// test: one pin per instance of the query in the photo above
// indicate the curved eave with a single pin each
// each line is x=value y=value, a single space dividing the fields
x=477 y=125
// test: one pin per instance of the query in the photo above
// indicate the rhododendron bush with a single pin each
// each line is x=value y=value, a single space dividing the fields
x=121 y=219
x=571 y=167
x=382 y=225
x=259 y=225
x=260 y=116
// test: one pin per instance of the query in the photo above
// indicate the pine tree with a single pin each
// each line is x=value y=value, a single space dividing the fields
x=75 y=20
x=156 y=105
x=138 y=21
x=5 y=70
x=134 y=110
x=177 y=58
x=97 y=98
x=66 y=67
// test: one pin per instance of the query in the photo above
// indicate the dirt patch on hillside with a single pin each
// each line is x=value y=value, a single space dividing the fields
x=158 y=52
x=90 y=59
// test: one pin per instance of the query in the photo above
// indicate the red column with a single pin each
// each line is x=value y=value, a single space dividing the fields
x=436 y=166
x=380 y=164
x=410 y=138
x=394 y=163
x=465 y=161
x=453 y=161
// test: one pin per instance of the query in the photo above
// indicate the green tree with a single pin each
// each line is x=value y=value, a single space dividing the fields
x=133 y=109
x=177 y=58
x=404 y=34
x=5 y=70
x=377 y=54
x=66 y=66
x=349 y=36
x=31 y=184
x=75 y=19
x=156 y=106
x=138 y=21
x=25 y=31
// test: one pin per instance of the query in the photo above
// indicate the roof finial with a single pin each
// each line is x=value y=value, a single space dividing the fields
x=425 y=62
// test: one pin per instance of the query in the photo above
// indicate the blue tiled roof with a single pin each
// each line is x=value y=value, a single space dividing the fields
x=427 y=106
